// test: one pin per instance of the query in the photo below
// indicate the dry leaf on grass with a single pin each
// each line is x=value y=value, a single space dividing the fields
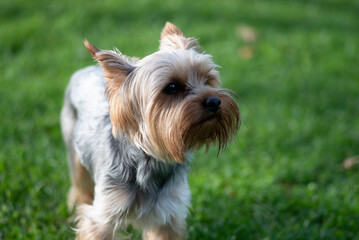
x=351 y=162
x=246 y=52
x=247 y=33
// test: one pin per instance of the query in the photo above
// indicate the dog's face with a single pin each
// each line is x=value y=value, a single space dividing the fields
x=169 y=102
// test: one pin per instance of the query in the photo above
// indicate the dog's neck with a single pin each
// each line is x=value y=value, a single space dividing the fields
x=142 y=170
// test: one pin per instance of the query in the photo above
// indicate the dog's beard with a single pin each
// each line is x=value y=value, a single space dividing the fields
x=210 y=128
x=178 y=126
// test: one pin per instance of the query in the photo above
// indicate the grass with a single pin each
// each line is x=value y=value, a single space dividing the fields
x=299 y=96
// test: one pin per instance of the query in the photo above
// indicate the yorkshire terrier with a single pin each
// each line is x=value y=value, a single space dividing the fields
x=130 y=126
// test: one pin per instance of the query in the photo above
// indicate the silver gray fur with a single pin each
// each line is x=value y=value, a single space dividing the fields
x=116 y=164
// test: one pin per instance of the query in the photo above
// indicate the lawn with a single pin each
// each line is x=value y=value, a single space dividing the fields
x=294 y=65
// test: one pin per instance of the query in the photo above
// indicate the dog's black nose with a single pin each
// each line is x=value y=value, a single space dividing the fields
x=212 y=104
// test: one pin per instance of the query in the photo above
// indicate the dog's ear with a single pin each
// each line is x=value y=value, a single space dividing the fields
x=173 y=38
x=116 y=66
x=117 y=69
x=170 y=29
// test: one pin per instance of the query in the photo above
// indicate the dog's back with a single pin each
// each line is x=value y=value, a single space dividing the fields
x=85 y=108
x=86 y=93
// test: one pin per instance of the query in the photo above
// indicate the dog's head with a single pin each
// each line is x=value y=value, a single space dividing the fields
x=169 y=102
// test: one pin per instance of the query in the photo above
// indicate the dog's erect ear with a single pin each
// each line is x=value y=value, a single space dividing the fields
x=173 y=38
x=170 y=29
x=115 y=65
x=117 y=69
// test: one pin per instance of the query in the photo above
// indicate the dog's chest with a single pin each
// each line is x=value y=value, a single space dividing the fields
x=162 y=194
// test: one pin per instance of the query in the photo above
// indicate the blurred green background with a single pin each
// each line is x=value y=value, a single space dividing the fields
x=294 y=64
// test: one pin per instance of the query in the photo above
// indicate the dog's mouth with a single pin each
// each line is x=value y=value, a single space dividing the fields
x=210 y=118
x=206 y=129
x=213 y=127
x=213 y=116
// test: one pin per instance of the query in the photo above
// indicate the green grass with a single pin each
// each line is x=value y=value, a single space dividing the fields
x=299 y=97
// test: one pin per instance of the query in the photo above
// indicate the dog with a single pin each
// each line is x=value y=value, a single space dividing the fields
x=130 y=126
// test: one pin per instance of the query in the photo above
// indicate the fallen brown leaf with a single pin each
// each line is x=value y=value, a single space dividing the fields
x=246 y=52
x=351 y=162
x=247 y=33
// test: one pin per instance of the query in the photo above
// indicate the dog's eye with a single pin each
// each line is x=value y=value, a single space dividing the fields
x=208 y=80
x=173 y=88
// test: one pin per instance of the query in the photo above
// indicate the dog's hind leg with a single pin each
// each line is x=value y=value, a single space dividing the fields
x=82 y=189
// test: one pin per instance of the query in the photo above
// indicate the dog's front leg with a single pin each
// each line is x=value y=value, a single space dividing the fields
x=174 y=231
x=89 y=228
x=100 y=220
